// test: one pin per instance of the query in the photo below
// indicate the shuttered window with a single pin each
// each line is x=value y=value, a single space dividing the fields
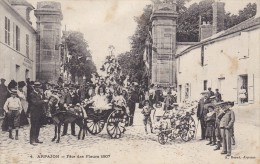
x=17 y=38
x=7 y=31
x=27 y=45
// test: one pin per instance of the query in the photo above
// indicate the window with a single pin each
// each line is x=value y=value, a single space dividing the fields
x=205 y=85
x=202 y=56
x=244 y=47
x=27 y=45
x=187 y=91
x=7 y=31
x=180 y=91
x=179 y=64
x=14 y=36
x=243 y=89
x=17 y=72
x=17 y=38
x=26 y=74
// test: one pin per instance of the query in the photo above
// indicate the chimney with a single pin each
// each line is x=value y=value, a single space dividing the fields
x=218 y=17
x=205 y=30
x=23 y=8
x=257 y=9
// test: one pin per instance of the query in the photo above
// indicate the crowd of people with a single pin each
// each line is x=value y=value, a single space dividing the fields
x=34 y=100
x=217 y=119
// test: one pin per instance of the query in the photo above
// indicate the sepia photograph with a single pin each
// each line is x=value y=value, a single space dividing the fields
x=130 y=81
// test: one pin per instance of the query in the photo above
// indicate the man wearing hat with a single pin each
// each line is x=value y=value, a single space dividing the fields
x=201 y=112
x=226 y=127
x=37 y=112
x=3 y=96
x=211 y=93
x=219 y=115
x=13 y=108
x=69 y=96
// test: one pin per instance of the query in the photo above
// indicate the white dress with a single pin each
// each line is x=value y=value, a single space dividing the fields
x=100 y=102
x=22 y=98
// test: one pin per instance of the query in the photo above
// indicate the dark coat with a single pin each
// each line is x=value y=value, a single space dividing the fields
x=158 y=95
x=4 y=93
x=218 y=97
x=133 y=99
x=36 y=105
x=67 y=99
x=201 y=110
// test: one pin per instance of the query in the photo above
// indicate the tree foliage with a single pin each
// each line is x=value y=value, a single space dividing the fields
x=248 y=12
x=187 y=30
x=80 y=62
x=188 y=21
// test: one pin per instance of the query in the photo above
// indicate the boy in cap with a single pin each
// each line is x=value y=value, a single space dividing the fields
x=13 y=107
x=226 y=124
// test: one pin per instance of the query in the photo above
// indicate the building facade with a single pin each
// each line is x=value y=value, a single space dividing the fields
x=48 y=59
x=228 y=61
x=163 y=18
x=17 y=41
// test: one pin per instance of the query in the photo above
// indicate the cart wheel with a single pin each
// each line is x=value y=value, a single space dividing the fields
x=95 y=126
x=116 y=123
x=162 y=138
x=188 y=129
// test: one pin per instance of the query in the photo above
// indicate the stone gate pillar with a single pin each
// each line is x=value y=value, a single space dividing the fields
x=48 y=41
x=164 y=18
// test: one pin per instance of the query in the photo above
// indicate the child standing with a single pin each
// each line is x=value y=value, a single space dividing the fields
x=146 y=111
x=210 y=119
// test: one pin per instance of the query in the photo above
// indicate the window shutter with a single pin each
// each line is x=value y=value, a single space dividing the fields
x=236 y=91
x=251 y=88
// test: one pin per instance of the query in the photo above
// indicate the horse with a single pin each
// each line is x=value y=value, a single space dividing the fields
x=73 y=114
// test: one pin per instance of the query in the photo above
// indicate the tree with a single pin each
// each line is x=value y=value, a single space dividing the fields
x=132 y=62
x=187 y=30
x=248 y=12
x=79 y=65
x=188 y=21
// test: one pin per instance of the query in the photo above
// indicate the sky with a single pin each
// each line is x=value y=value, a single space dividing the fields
x=110 y=22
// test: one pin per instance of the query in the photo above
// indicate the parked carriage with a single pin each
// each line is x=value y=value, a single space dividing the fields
x=115 y=118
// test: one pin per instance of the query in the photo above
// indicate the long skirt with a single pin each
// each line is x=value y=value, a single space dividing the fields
x=209 y=131
x=22 y=122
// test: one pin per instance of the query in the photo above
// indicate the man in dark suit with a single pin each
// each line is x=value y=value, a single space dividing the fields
x=210 y=92
x=37 y=112
x=131 y=104
x=158 y=94
x=201 y=113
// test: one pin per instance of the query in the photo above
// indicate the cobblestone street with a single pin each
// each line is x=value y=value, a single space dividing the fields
x=134 y=147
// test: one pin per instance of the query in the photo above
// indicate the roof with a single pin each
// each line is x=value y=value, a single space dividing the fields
x=249 y=23
x=21 y=2
x=17 y=15
x=241 y=26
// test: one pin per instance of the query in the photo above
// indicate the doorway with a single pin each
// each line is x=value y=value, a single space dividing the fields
x=243 y=89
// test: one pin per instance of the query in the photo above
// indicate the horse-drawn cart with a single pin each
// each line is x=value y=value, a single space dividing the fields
x=114 y=117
